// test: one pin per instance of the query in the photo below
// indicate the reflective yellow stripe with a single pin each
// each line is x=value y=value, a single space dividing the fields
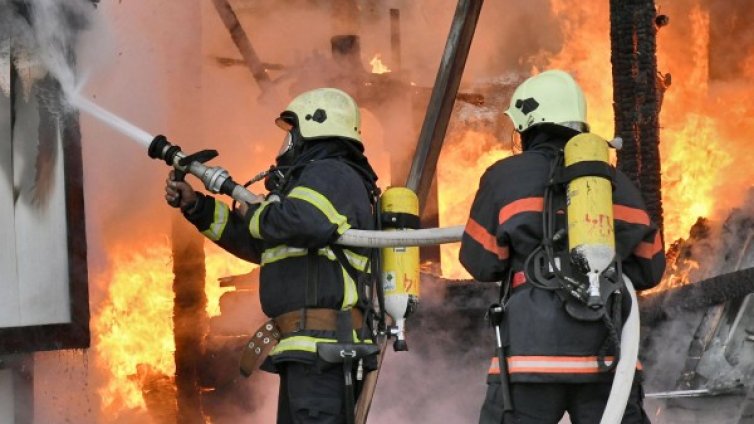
x=350 y=296
x=254 y=223
x=277 y=253
x=282 y=251
x=305 y=344
x=219 y=221
x=350 y=293
x=357 y=261
x=300 y=343
x=320 y=202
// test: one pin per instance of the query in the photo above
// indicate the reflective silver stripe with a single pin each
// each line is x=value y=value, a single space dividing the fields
x=219 y=221
x=254 y=222
x=320 y=202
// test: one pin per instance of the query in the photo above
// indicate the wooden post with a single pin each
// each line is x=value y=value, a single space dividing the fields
x=189 y=317
x=636 y=99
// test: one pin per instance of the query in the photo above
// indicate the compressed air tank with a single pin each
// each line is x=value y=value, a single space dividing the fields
x=591 y=236
x=399 y=208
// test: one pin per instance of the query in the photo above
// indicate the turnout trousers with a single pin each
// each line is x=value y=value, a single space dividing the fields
x=310 y=395
x=546 y=403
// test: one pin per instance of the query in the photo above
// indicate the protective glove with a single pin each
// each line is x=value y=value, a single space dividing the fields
x=179 y=194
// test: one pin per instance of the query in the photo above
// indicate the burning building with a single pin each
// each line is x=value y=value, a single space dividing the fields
x=216 y=78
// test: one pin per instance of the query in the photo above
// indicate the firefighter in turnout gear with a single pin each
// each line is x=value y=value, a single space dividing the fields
x=314 y=291
x=556 y=358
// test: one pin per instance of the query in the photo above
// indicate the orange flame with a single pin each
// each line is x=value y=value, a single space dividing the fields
x=134 y=327
x=377 y=66
x=463 y=160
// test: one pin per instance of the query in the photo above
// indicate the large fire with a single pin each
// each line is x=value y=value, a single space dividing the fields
x=704 y=148
x=134 y=327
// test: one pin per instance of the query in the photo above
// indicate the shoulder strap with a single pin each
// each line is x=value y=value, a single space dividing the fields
x=350 y=269
x=312 y=278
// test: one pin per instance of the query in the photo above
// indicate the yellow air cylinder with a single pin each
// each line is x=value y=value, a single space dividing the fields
x=591 y=237
x=399 y=207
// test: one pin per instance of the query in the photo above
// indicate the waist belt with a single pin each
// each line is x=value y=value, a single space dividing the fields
x=319 y=319
x=519 y=278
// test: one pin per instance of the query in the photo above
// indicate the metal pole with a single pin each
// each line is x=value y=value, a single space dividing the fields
x=443 y=97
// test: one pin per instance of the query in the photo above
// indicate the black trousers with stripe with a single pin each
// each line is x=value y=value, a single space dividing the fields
x=546 y=403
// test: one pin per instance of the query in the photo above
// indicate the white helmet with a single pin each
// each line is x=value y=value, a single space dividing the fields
x=552 y=97
x=324 y=112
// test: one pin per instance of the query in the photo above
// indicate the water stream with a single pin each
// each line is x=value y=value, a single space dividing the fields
x=111 y=119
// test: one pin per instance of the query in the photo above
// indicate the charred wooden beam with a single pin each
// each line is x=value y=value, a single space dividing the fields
x=189 y=318
x=346 y=52
x=395 y=39
x=702 y=294
x=636 y=99
x=241 y=40
x=443 y=97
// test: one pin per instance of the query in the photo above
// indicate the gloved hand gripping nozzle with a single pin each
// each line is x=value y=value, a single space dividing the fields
x=214 y=178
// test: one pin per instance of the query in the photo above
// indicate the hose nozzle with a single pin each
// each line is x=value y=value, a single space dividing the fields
x=215 y=178
x=161 y=148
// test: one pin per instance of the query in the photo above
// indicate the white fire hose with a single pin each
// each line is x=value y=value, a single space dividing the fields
x=422 y=237
x=624 y=372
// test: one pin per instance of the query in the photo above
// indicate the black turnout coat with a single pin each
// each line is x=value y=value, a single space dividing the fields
x=542 y=342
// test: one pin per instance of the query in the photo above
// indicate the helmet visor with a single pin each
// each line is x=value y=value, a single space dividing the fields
x=287 y=144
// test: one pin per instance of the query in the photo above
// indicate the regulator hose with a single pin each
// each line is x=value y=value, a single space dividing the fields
x=624 y=372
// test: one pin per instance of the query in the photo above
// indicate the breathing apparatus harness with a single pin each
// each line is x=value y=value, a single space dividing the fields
x=552 y=267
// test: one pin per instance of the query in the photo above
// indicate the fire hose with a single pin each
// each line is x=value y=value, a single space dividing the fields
x=624 y=372
x=217 y=180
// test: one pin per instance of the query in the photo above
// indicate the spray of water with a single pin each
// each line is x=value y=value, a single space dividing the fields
x=55 y=26
x=111 y=119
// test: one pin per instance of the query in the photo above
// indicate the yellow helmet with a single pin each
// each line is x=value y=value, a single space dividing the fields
x=552 y=97
x=324 y=112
